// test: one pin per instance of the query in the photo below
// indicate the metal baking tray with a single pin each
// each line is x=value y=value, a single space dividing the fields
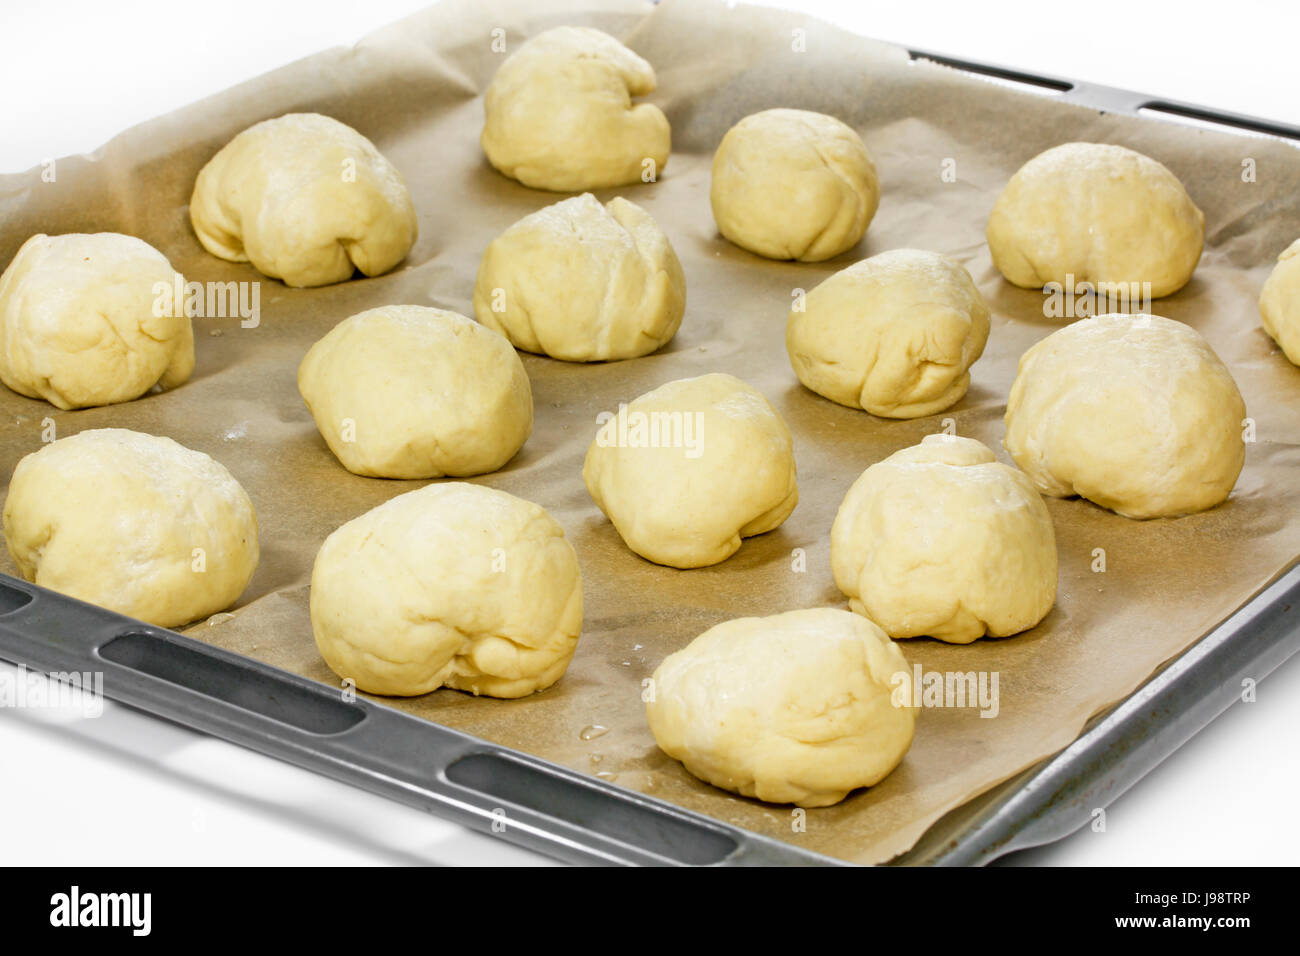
x=583 y=819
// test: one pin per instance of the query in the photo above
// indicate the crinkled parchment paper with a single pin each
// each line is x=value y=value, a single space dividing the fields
x=415 y=89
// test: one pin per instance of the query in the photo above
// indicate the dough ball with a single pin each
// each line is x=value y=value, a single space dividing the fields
x=1135 y=413
x=790 y=184
x=92 y=320
x=687 y=470
x=894 y=334
x=1279 y=304
x=583 y=282
x=1100 y=214
x=134 y=523
x=453 y=585
x=560 y=114
x=305 y=199
x=795 y=708
x=405 y=391
x=941 y=539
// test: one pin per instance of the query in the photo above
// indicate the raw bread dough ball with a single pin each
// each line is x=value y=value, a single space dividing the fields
x=1279 y=303
x=687 y=470
x=305 y=199
x=942 y=539
x=134 y=523
x=790 y=184
x=405 y=391
x=796 y=708
x=84 y=321
x=1135 y=413
x=583 y=282
x=560 y=114
x=894 y=334
x=1099 y=213
x=453 y=585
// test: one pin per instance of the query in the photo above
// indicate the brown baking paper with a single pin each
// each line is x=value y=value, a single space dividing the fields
x=415 y=90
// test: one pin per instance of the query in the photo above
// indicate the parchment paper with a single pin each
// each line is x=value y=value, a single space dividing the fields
x=414 y=89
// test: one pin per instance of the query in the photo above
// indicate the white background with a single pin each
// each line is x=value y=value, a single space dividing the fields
x=127 y=789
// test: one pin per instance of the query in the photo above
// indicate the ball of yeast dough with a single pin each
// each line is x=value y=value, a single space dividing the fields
x=134 y=523
x=1279 y=303
x=405 y=391
x=305 y=199
x=894 y=334
x=92 y=320
x=942 y=539
x=559 y=114
x=1092 y=212
x=795 y=708
x=583 y=282
x=1133 y=412
x=790 y=184
x=453 y=585
x=686 y=471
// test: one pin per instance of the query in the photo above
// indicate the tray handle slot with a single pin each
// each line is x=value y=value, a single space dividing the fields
x=1032 y=82
x=1201 y=116
x=596 y=810
x=263 y=693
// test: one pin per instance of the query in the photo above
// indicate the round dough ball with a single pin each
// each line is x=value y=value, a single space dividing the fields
x=1092 y=212
x=687 y=470
x=1133 y=412
x=790 y=184
x=941 y=539
x=1279 y=303
x=559 y=114
x=895 y=334
x=405 y=391
x=92 y=320
x=134 y=523
x=305 y=199
x=583 y=282
x=453 y=585
x=795 y=708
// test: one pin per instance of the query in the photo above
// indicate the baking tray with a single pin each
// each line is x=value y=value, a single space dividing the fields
x=583 y=819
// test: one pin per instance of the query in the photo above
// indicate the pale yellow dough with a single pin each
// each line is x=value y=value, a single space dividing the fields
x=583 y=282
x=1135 y=413
x=801 y=707
x=305 y=199
x=134 y=523
x=559 y=114
x=942 y=539
x=91 y=320
x=1096 y=213
x=687 y=470
x=453 y=585
x=406 y=391
x=895 y=334
x=791 y=184
x=1279 y=303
